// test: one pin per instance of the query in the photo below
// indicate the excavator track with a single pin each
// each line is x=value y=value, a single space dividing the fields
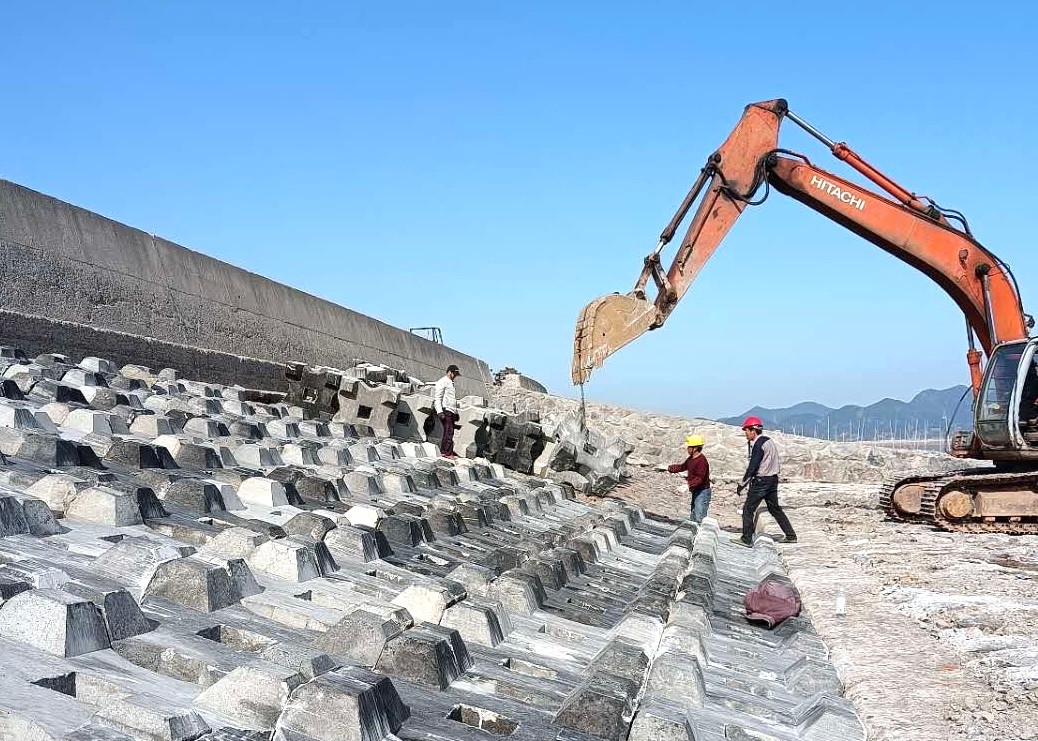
x=890 y=484
x=964 y=487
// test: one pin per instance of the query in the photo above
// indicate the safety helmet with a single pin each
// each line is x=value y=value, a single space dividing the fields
x=694 y=441
x=752 y=422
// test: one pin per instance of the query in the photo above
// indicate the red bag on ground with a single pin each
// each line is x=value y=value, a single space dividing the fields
x=772 y=601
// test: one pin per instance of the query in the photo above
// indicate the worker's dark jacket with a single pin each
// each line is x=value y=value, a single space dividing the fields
x=697 y=470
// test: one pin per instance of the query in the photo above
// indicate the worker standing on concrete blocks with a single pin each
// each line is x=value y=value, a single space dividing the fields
x=761 y=478
x=697 y=471
x=445 y=404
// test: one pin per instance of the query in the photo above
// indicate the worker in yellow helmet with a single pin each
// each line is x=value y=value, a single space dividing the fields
x=697 y=471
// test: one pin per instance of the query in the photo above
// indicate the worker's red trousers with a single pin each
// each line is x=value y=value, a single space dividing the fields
x=447 y=441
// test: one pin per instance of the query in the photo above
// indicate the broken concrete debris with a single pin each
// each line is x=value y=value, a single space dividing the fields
x=289 y=571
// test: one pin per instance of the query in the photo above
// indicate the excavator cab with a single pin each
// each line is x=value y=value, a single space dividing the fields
x=1007 y=409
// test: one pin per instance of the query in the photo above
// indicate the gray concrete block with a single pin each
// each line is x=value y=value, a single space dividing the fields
x=422 y=655
x=293 y=558
x=151 y=717
x=477 y=621
x=152 y=425
x=655 y=721
x=601 y=707
x=361 y=635
x=105 y=506
x=200 y=585
x=253 y=697
x=122 y=614
x=347 y=704
x=47 y=450
x=54 y=621
x=26 y=515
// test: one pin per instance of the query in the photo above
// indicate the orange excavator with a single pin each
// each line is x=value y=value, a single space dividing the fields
x=915 y=229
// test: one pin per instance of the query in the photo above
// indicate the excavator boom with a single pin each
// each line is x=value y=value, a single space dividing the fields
x=912 y=229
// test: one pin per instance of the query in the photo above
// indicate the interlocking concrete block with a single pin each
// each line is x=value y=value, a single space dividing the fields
x=54 y=621
x=334 y=455
x=476 y=579
x=294 y=454
x=135 y=454
x=349 y=703
x=255 y=455
x=473 y=434
x=57 y=490
x=152 y=425
x=202 y=585
x=353 y=545
x=282 y=429
x=188 y=454
x=246 y=430
x=293 y=558
x=426 y=655
x=415 y=417
x=17 y=417
x=601 y=706
x=363 y=403
x=477 y=621
x=364 y=515
x=196 y=495
x=251 y=696
x=234 y=542
x=310 y=524
x=9 y=390
x=20 y=515
x=262 y=491
x=151 y=717
x=425 y=602
x=205 y=428
x=79 y=377
x=361 y=635
x=105 y=506
x=657 y=721
x=138 y=372
x=98 y=365
x=678 y=678
x=122 y=614
x=621 y=658
x=520 y=593
x=314 y=388
x=132 y=561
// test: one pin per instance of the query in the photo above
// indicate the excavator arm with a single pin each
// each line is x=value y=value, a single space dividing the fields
x=911 y=228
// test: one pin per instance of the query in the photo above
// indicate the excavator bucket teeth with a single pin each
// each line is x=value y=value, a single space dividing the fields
x=605 y=325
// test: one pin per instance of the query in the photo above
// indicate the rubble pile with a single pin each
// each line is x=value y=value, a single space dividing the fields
x=394 y=404
x=658 y=439
x=184 y=561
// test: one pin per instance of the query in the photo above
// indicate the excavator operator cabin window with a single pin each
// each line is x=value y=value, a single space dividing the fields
x=995 y=396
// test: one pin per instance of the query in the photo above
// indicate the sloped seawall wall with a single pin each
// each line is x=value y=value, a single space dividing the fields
x=142 y=297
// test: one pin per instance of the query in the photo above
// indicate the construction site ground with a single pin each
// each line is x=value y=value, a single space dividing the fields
x=940 y=636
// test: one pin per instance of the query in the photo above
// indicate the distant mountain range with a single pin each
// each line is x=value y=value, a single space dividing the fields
x=926 y=416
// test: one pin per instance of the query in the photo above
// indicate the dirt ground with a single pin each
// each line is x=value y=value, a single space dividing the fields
x=940 y=636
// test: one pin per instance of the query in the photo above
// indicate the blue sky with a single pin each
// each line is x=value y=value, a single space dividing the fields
x=490 y=167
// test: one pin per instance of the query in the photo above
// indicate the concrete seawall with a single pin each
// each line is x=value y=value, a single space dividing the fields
x=66 y=272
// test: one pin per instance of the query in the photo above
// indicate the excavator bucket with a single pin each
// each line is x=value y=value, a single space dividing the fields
x=605 y=325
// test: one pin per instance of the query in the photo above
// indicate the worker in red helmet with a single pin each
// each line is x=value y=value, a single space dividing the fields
x=761 y=478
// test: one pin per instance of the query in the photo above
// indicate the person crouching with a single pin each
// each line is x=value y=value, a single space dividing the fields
x=697 y=471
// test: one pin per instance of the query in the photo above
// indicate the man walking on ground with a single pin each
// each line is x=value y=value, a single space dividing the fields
x=445 y=404
x=762 y=479
x=697 y=470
